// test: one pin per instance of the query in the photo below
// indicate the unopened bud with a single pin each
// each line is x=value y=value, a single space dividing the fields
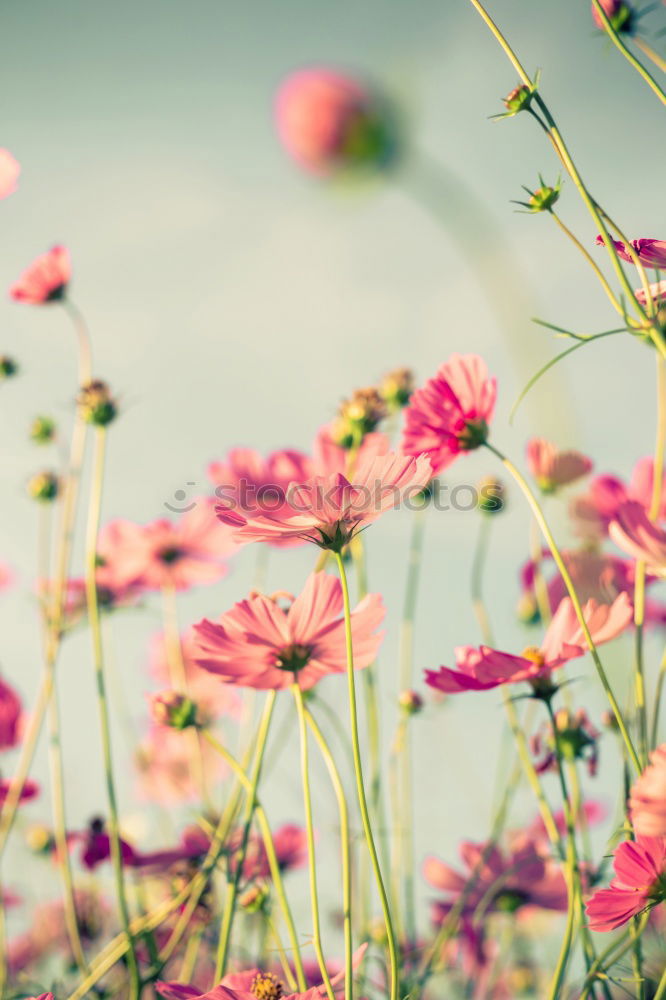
x=39 y=839
x=396 y=387
x=528 y=609
x=96 y=404
x=253 y=899
x=42 y=430
x=8 y=367
x=621 y=15
x=519 y=99
x=492 y=495
x=173 y=709
x=43 y=487
x=609 y=721
x=357 y=417
x=410 y=702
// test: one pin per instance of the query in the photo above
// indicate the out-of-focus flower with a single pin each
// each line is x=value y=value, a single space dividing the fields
x=48 y=935
x=577 y=739
x=492 y=495
x=11 y=712
x=96 y=846
x=640 y=867
x=43 y=487
x=522 y=878
x=10 y=169
x=42 y=430
x=259 y=644
x=657 y=292
x=357 y=417
x=647 y=800
x=650 y=252
x=29 y=791
x=45 y=280
x=485 y=668
x=329 y=121
x=639 y=537
x=251 y=484
x=96 y=404
x=8 y=367
x=620 y=13
x=591 y=812
x=396 y=388
x=6 y=576
x=173 y=709
x=410 y=702
x=330 y=458
x=551 y=468
x=168 y=773
x=212 y=699
x=291 y=851
x=451 y=412
x=330 y=510
x=593 y=511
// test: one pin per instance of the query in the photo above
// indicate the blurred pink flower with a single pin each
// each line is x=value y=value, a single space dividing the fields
x=11 y=713
x=258 y=644
x=10 y=169
x=599 y=575
x=650 y=252
x=593 y=511
x=639 y=537
x=451 y=412
x=647 y=800
x=29 y=791
x=96 y=846
x=166 y=771
x=552 y=468
x=657 y=292
x=45 y=280
x=6 y=576
x=211 y=698
x=330 y=458
x=330 y=510
x=485 y=668
x=640 y=867
x=291 y=851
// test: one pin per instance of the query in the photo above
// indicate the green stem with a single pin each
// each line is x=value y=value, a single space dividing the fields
x=309 y=826
x=571 y=590
x=627 y=53
x=592 y=262
x=657 y=700
x=360 y=786
x=98 y=657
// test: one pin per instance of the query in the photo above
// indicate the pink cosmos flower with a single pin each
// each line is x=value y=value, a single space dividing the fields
x=179 y=554
x=640 y=867
x=485 y=668
x=330 y=458
x=10 y=169
x=43 y=996
x=248 y=483
x=593 y=511
x=11 y=713
x=650 y=252
x=96 y=846
x=45 y=280
x=211 y=698
x=166 y=771
x=657 y=292
x=639 y=537
x=647 y=801
x=328 y=120
x=552 y=468
x=330 y=510
x=291 y=851
x=451 y=412
x=598 y=575
x=261 y=645
x=522 y=878
x=29 y=791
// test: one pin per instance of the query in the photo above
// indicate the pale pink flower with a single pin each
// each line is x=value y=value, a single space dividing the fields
x=330 y=510
x=328 y=120
x=657 y=292
x=329 y=458
x=11 y=714
x=650 y=252
x=10 y=169
x=451 y=412
x=639 y=537
x=166 y=771
x=647 y=801
x=640 y=867
x=211 y=698
x=485 y=668
x=552 y=468
x=259 y=644
x=45 y=280
x=6 y=576
x=593 y=511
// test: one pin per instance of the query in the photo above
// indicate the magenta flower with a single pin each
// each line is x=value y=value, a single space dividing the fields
x=650 y=252
x=96 y=846
x=291 y=851
x=647 y=801
x=330 y=510
x=552 y=468
x=45 y=280
x=639 y=537
x=10 y=169
x=11 y=714
x=258 y=644
x=640 y=867
x=451 y=412
x=485 y=668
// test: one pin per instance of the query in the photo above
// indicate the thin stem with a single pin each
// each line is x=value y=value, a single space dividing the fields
x=360 y=787
x=94 y=512
x=592 y=262
x=571 y=590
x=657 y=700
x=650 y=53
x=309 y=826
x=627 y=53
x=661 y=989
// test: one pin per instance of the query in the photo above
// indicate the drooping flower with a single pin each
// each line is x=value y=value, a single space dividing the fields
x=650 y=252
x=638 y=536
x=485 y=668
x=451 y=412
x=640 y=867
x=330 y=510
x=45 y=280
x=552 y=468
x=11 y=713
x=261 y=645
x=10 y=169
x=647 y=800
x=329 y=121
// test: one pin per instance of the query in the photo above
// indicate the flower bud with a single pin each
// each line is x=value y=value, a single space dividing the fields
x=96 y=404
x=543 y=199
x=43 y=487
x=254 y=897
x=396 y=387
x=40 y=839
x=173 y=709
x=42 y=430
x=8 y=367
x=519 y=99
x=492 y=495
x=357 y=417
x=621 y=15
x=528 y=609
x=410 y=702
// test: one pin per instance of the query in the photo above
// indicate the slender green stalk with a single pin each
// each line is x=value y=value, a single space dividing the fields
x=627 y=53
x=657 y=700
x=250 y=806
x=571 y=590
x=661 y=988
x=92 y=531
x=360 y=786
x=592 y=262
x=612 y=954
x=309 y=826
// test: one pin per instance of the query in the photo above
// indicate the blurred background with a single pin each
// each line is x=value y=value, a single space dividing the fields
x=234 y=300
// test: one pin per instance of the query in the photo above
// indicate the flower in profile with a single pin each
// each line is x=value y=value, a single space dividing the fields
x=260 y=644
x=638 y=536
x=577 y=739
x=650 y=252
x=485 y=668
x=45 y=280
x=647 y=799
x=6 y=576
x=96 y=846
x=640 y=868
x=330 y=510
x=173 y=709
x=451 y=412
x=329 y=121
x=10 y=169
x=11 y=714
x=551 y=468
x=620 y=13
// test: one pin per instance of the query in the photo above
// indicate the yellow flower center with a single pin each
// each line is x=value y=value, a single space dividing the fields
x=266 y=986
x=534 y=655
